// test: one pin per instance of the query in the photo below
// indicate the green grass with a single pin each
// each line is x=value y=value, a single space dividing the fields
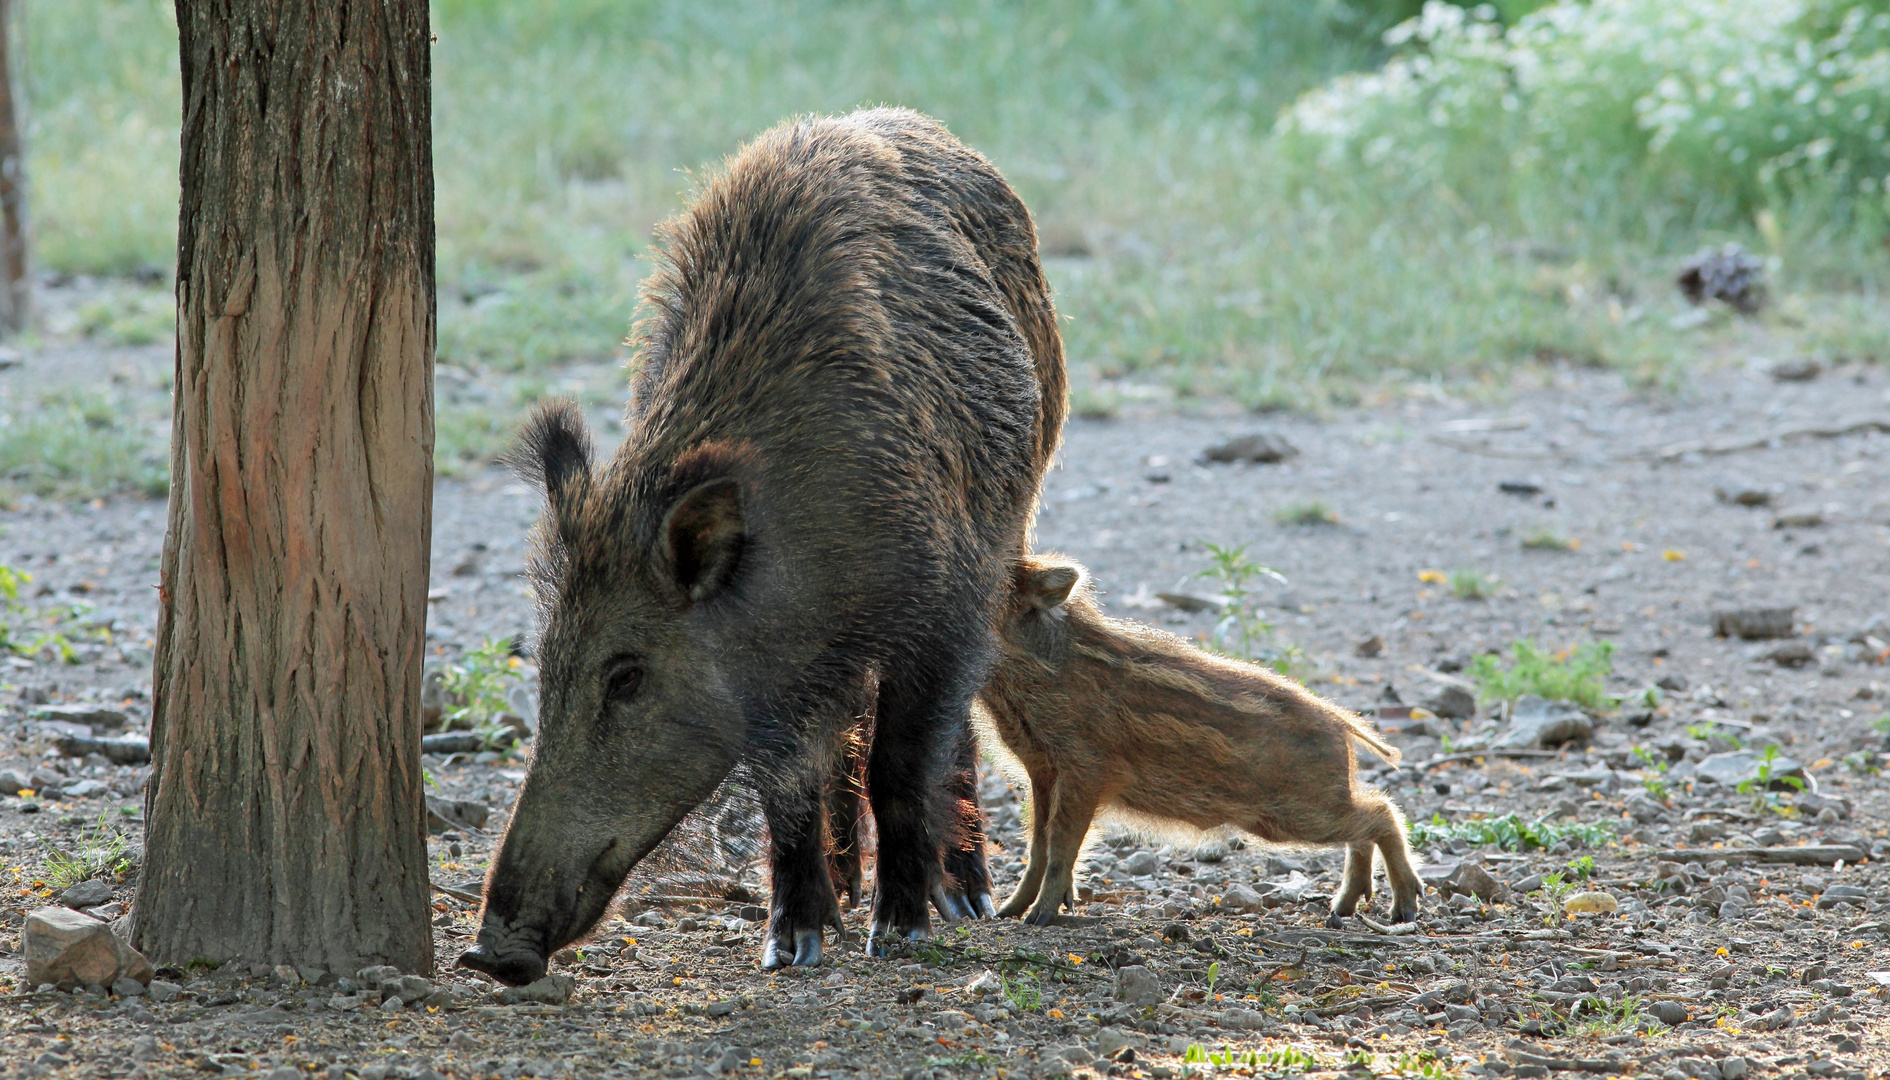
x=1193 y=241
x=1473 y=585
x=76 y=443
x=1306 y=513
x=1575 y=674
x=1508 y=831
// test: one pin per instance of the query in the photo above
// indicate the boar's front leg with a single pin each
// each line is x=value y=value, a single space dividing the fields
x=1071 y=808
x=802 y=903
x=1032 y=883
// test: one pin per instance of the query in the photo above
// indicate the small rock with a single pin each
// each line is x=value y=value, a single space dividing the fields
x=446 y=814
x=1258 y=448
x=12 y=783
x=1243 y=1019
x=1791 y=654
x=554 y=989
x=1241 y=900
x=1795 y=370
x=162 y=991
x=127 y=988
x=93 y=716
x=1211 y=850
x=1645 y=810
x=1371 y=648
x=374 y=977
x=1471 y=879
x=1110 y=1042
x=392 y=1005
x=1733 y=1068
x=1744 y=496
x=1192 y=602
x=985 y=984
x=1755 y=624
x=1737 y=766
x=1137 y=985
x=1452 y=703
x=452 y=742
x=1591 y=903
x=1728 y=273
x=1536 y=724
x=1670 y=1013
x=408 y=988
x=713 y=1008
x=62 y=944
x=950 y=1021
x=1798 y=519
x=85 y=789
x=284 y=1072
x=1140 y=864
x=86 y=894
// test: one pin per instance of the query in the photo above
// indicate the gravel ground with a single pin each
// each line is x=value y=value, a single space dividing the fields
x=1737 y=945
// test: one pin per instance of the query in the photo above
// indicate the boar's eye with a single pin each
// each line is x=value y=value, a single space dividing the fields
x=621 y=684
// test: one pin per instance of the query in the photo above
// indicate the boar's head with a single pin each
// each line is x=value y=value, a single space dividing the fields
x=636 y=570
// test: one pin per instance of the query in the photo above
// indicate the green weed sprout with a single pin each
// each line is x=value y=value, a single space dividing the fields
x=1759 y=788
x=1242 y=631
x=1306 y=513
x=477 y=686
x=1656 y=784
x=1473 y=585
x=1508 y=832
x=1575 y=674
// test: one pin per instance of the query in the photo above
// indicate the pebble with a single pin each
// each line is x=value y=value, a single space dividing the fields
x=1670 y=1013
x=1137 y=985
x=554 y=989
x=162 y=991
x=1140 y=864
x=1258 y=448
x=86 y=894
x=1241 y=900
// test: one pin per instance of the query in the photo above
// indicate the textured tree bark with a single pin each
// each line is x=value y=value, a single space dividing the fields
x=285 y=812
x=16 y=289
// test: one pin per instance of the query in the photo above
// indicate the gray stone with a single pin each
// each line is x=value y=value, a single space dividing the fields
x=447 y=814
x=95 y=717
x=1755 y=624
x=985 y=984
x=127 y=988
x=1738 y=766
x=392 y=1005
x=1791 y=654
x=373 y=977
x=1645 y=810
x=284 y=1072
x=162 y=991
x=1536 y=724
x=12 y=783
x=65 y=945
x=86 y=894
x=1111 y=1041
x=85 y=789
x=1734 y=1068
x=1472 y=880
x=1452 y=703
x=1259 y=448
x=1075 y=1055
x=1670 y=1013
x=1140 y=864
x=408 y=988
x=125 y=750
x=1137 y=985
x=1241 y=900
x=553 y=989
x=1243 y=1019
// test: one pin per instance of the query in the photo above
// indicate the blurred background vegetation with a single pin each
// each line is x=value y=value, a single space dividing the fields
x=1293 y=203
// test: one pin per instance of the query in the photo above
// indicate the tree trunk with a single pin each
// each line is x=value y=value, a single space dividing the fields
x=15 y=290
x=285 y=813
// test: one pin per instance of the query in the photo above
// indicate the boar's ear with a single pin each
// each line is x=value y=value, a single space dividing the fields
x=705 y=531
x=554 y=449
x=1049 y=586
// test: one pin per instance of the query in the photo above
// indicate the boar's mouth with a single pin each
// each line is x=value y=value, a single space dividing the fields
x=520 y=933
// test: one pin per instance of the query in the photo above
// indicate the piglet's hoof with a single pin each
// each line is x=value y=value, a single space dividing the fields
x=880 y=944
x=515 y=969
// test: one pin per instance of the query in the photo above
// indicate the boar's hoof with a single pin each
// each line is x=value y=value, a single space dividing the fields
x=879 y=946
x=1335 y=921
x=953 y=906
x=514 y=969
x=1404 y=911
x=1042 y=914
x=806 y=951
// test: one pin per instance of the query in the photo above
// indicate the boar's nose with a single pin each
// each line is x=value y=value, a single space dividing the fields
x=513 y=968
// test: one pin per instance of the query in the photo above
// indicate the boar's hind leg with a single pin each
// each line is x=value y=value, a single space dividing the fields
x=1070 y=810
x=844 y=813
x=1032 y=882
x=965 y=891
x=1396 y=852
x=802 y=903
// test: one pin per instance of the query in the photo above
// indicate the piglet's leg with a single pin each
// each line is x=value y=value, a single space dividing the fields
x=1071 y=811
x=1357 y=883
x=1398 y=871
x=1040 y=800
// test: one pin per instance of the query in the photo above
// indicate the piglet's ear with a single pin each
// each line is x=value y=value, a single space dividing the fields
x=1049 y=586
x=705 y=532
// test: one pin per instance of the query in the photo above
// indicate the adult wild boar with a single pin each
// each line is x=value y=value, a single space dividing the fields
x=850 y=385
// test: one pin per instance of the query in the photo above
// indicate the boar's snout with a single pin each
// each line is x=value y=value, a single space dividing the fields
x=515 y=968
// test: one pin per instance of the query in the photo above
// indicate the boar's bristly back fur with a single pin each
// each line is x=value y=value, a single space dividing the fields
x=1104 y=713
x=848 y=384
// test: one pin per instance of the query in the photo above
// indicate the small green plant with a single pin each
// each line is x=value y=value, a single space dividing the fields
x=1306 y=513
x=1558 y=888
x=1759 y=787
x=1706 y=730
x=1547 y=539
x=1242 y=631
x=1508 y=832
x=1862 y=763
x=1583 y=867
x=1881 y=725
x=101 y=853
x=1024 y=992
x=1576 y=674
x=1656 y=765
x=1473 y=585
x=1620 y=1018
x=477 y=687
x=1214 y=976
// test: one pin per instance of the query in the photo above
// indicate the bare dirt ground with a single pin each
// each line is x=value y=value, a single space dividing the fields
x=1745 y=925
